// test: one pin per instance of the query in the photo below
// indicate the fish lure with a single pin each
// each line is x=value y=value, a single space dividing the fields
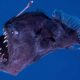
x=31 y=35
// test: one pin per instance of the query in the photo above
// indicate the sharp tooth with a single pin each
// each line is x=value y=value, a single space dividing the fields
x=5 y=33
x=5 y=37
x=4 y=59
x=6 y=45
x=5 y=41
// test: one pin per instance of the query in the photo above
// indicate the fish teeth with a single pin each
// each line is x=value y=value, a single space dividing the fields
x=6 y=45
x=1 y=58
x=5 y=37
x=5 y=41
x=5 y=33
x=4 y=60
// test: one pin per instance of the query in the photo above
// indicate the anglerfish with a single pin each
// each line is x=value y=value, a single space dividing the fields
x=32 y=35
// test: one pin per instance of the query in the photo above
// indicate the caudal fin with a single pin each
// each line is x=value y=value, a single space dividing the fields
x=71 y=21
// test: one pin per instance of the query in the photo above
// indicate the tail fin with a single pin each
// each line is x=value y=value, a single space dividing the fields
x=72 y=22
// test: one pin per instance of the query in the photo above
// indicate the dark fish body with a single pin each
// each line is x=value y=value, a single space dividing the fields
x=32 y=35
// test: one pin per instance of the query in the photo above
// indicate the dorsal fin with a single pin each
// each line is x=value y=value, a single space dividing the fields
x=72 y=21
x=27 y=6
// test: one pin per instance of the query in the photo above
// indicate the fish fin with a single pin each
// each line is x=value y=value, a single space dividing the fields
x=57 y=14
x=72 y=21
x=74 y=47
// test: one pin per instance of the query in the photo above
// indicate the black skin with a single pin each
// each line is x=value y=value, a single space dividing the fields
x=38 y=35
x=4 y=50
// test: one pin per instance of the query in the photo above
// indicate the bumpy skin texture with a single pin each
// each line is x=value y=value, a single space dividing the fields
x=37 y=35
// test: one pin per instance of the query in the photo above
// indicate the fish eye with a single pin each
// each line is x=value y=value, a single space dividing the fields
x=12 y=30
x=15 y=32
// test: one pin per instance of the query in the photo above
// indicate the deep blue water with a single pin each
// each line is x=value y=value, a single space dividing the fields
x=59 y=65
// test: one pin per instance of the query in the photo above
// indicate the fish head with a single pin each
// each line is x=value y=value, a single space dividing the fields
x=30 y=36
x=20 y=39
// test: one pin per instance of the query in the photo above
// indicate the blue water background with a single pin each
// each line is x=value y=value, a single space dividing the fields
x=59 y=65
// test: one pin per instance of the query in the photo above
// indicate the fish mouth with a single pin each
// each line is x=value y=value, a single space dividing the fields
x=4 y=55
x=9 y=46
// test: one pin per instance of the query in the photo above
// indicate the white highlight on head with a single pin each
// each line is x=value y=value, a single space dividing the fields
x=16 y=32
x=28 y=5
